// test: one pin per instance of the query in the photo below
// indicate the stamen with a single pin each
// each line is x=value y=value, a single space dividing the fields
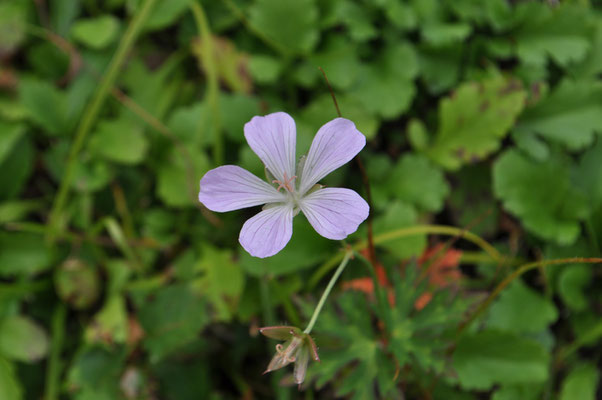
x=286 y=184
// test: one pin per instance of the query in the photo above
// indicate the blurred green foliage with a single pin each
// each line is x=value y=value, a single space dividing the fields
x=483 y=115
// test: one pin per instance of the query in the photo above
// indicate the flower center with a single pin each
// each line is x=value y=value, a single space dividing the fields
x=286 y=184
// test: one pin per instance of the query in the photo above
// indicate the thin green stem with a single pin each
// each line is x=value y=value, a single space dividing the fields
x=209 y=64
x=327 y=291
x=518 y=272
x=411 y=231
x=92 y=111
x=53 y=372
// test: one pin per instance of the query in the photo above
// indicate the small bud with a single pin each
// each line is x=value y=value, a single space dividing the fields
x=297 y=348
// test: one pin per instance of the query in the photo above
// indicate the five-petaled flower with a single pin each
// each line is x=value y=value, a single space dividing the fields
x=333 y=212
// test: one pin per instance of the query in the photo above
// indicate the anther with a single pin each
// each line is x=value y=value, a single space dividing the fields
x=286 y=184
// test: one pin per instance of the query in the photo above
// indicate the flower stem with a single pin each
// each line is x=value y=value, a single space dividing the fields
x=335 y=277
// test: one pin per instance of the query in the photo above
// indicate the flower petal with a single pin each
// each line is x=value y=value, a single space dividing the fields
x=335 y=144
x=268 y=232
x=274 y=138
x=334 y=212
x=230 y=187
x=301 y=361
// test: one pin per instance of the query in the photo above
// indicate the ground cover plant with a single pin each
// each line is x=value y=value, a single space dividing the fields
x=475 y=275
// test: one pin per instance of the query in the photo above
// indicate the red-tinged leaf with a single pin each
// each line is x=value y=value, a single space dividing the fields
x=280 y=332
x=423 y=300
x=442 y=266
x=365 y=285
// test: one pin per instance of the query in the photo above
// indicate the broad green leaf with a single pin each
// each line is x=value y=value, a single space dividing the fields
x=339 y=61
x=572 y=282
x=415 y=180
x=520 y=309
x=96 y=32
x=400 y=14
x=95 y=372
x=400 y=215
x=290 y=23
x=17 y=210
x=591 y=66
x=560 y=33
x=119 y=140
x=110 y=324
x=581 y=383
x=474 y=119
x=523 y=392
x=46 y=106
x=171 y=318
x=10 y=386
x=588 y=174
x=444 y=34
x=385 y=86
x=358 y=19
x=77 y=283
x=541 y=195
x=23 y=254
x=439 y=66
x=9 y=136
x=570 y=115
x=222 y=280
x=265 y=69
x=176 y=175
x=485 y=358
x=22 y=339
x=165 y=13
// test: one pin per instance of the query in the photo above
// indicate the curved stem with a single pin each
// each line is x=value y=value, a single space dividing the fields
x=92 y=111
x=327 y=291
x=518 y=272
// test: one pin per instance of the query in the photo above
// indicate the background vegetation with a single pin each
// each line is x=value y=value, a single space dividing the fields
x=481 y=116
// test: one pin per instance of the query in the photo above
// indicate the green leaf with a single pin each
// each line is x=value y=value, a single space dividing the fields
x=9 y=136
x=10 y=386
x=520 y=309
x=443 y=34
x=581 y=383
x=570 y=115
x=523 y=392
x=46 y=106
x=489 y=357
x=588 y=174
x=95 y=372
x=290 y=23
x=265 y=69
x=172 y=318
x=222 y=281
x=572 y=282
x=474 y=119
x=541 y=195
x=339 y=61
x=23 y=254
x=22 y=339
x=440 y=66
x=119 y=140
x=385 y=86
x=97 y=32
x=414 y=179
x=400 y=215
x=560 y=33
x=165 y=13
x=20 y=162
x=110 y=324
x=174 y=186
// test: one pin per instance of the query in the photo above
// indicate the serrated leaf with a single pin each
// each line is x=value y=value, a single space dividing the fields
x=172 y=318
x=541 y=195
x=520 y=309
x=385 y=86
x=485 y=358
x=22 y=339
x=581 y=383
x=474 y=119
x=570 y=115
x=415 y=180
x=222 y=280
x=560 y=33
x=290 y=23
x=119 y=140
x=97 y=32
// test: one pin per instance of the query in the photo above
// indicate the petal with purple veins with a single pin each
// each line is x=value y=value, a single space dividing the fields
x=268 y=232
x=335 y=144
x=273 y=138
x=334 y=212
x=230 y=187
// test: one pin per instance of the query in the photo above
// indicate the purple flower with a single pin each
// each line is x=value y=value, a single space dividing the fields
x=333 y=212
